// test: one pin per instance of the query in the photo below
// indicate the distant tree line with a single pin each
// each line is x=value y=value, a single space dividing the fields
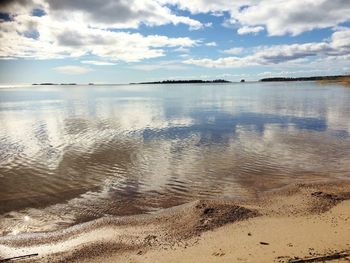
x=49 y=83
x=315 y=78
x=185 y=81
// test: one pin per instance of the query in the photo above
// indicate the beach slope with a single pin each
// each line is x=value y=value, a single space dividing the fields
x=297 y=222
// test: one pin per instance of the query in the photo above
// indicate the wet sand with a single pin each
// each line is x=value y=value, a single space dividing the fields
x=299 y=221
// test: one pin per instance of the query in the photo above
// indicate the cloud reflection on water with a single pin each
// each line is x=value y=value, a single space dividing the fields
x=131 y=149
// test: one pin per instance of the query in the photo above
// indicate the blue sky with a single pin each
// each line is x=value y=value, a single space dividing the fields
x=118 y=41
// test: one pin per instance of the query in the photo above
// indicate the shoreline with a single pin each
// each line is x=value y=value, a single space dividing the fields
x=301 y=220
x=345 y=81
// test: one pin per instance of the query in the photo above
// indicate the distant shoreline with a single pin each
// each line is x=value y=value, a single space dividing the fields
x=184 y=81
x=140 y=83
x=341 y=79
x=314 y=78
x=50 y=84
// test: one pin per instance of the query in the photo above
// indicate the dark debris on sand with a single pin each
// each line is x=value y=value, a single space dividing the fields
x=325 y=201
x=211 y=217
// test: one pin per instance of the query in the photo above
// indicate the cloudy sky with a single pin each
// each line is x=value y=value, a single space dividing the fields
x=121 y=41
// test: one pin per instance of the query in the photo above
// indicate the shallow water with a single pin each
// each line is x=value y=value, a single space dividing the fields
x=70 y=154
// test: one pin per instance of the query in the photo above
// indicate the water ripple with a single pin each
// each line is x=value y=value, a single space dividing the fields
x=81 y=154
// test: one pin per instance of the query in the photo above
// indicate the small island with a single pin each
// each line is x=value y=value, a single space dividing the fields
x=44 y=84
x=194 y=81
x=49 y=84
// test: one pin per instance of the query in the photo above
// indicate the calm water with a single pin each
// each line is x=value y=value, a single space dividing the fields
x=74 y=153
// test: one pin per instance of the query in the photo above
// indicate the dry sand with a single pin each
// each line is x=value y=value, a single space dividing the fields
x=299 y=221
x=343 y=81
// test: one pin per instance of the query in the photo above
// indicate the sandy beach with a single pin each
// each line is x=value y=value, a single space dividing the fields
x=345 y=81
x=297 y=222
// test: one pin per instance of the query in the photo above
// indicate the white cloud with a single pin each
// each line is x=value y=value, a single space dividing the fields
x=17 y=6
x=233 y=51
x=74 y=39
x=72 y=70
x=249 y=29
x=182 y=50
x=211 y=44
x=278 y=17
x=78 y=28
x=98 y=63
x=104 y=14
x=341 y=40
x=338 y=47
x=209 y=24
x=207 y=6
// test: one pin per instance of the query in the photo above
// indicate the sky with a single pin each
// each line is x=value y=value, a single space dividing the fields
x=122 y=41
